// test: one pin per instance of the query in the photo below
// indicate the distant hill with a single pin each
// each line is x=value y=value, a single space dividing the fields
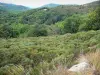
x=51 y=5
x=13 y=8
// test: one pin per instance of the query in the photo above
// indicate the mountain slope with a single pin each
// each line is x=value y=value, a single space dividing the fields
x=51 y=5
x=13 y=8
x=45 y=15
x=50 y=16
x=93 y=4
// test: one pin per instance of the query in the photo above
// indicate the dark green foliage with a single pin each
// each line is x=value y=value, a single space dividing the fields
x=40 y=16
x=72 y=23
x=91 y=21
x=94 y=20
x=5 y=31
x=7 y=18
x=37 y=30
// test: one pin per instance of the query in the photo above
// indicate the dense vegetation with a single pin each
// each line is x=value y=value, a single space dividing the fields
x=30 y=55
x=38 y=40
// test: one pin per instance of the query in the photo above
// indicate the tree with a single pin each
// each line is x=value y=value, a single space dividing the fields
x=38 y=30
x=71 y=24
x=5 y=31
x=94 y=20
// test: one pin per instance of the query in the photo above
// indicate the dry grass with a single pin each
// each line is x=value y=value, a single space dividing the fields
x=63 y=71
x=60 y=71
x=94 y=61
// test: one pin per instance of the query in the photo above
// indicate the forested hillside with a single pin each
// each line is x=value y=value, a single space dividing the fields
x=50 y=16
x=50 y=21
x=42 y=40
